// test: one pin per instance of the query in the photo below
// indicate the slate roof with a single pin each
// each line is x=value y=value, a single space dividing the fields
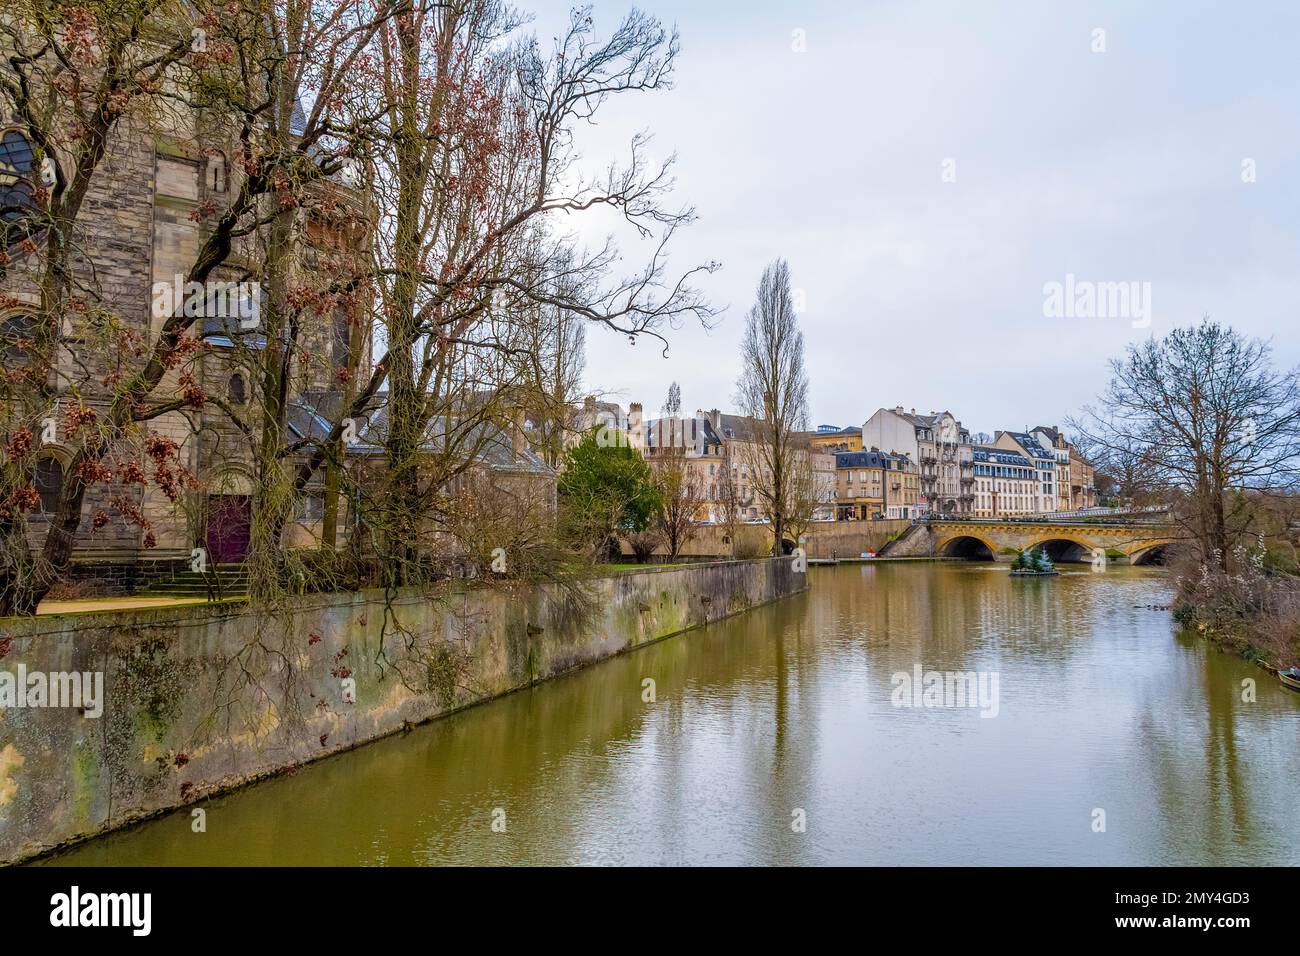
x=312 y=415
x=860 y=459
x=741 y=427
x=1030 y=444
x=297 y=119
x=931 y=421
x=1000 y=456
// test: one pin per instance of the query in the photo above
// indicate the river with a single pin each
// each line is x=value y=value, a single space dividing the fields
x=776 y=738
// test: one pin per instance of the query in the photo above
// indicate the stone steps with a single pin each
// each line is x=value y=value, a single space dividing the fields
x=223 y=580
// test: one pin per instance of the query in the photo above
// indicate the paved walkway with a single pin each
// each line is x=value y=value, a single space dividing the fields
x=113 y=604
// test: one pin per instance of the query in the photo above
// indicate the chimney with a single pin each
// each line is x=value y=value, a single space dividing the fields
x=518 y=443
x=715 y=416
x=589 y=403
x=914 y=411
x=898 y=409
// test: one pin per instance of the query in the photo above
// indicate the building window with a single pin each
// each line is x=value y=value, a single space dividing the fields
x=20 y=175
x=311 y=507
x=17 y=335
x=235 y=390
x=216 y=173
x=49 y=483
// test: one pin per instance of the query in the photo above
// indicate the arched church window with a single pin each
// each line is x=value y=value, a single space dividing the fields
x=20 y=175
x=49 y=483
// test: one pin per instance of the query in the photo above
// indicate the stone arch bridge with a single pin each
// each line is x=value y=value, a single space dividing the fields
x=1135 y=542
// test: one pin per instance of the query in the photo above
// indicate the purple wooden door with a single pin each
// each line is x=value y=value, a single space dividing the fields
x=229 y=520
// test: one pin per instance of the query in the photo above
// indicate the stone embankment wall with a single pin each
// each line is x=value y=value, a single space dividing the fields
x=201 y=699
x=823 y=539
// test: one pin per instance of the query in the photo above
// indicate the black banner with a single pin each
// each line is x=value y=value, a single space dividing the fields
x=355 y=906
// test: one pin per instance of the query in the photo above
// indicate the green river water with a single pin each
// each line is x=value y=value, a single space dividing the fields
x=785 y=714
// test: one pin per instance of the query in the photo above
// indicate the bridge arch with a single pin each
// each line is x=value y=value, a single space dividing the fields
x=1065 y=547
x=1152 y=552
x=972 y=547
x=1137 y=543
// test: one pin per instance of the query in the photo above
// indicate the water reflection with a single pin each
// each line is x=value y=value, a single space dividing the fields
x=788 y=708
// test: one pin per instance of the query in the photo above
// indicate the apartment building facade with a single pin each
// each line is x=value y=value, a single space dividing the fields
x=940 y=447
x=859 y=486
x=1044 y=461
x=1007 y=483
x=902 y=487
x=1083 y=481
x=832 y=440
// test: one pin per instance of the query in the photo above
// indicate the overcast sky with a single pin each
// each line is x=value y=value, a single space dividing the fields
x=1117 y=166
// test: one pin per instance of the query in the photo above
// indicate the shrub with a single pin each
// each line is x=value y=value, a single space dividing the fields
x=643 y=544
x=1248 y=609
x=750 y=542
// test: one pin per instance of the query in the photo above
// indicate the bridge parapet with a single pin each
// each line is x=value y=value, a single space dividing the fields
x=1070 y=540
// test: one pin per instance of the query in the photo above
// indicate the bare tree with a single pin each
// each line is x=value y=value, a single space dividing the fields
x=85 y=82
x=457 y=136
x=1206 y=411
x=728 y=508
x=469 y=184
x=673 y=404
x=558 y=358
x=643 y=543
x=804 y=496
x=680 y=482
x=773 y=392
x=1126 y=471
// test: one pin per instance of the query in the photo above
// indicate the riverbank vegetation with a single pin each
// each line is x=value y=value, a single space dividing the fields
x=1203 y=421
